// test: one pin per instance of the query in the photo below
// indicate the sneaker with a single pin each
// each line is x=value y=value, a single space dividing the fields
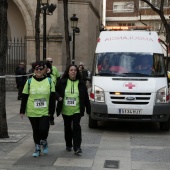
x=68 y=148
x=37 y=151
x=44 y=146
x=52 y=122
x=77 y=151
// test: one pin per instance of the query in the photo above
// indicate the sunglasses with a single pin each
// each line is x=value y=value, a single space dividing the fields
x=39 y=69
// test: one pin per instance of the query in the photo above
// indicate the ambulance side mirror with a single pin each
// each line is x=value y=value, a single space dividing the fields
x=168 y=73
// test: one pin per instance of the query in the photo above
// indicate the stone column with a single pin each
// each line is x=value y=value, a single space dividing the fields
x=54 y=47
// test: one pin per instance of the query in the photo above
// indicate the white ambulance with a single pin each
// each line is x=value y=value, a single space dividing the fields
x=129 y=79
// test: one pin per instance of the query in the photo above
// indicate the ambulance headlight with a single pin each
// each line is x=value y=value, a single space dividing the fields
x=98 y=94
x=161 y=95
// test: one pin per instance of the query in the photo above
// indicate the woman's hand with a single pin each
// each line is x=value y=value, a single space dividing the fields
x=60 y=99
x=48 y=70
x=22 y=115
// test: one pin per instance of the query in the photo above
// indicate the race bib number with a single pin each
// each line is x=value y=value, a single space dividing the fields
x=40 y=103
x=70 y=101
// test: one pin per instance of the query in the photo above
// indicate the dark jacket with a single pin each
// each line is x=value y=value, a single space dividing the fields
x=83 y=96
x=21 y=80
x=84 y=74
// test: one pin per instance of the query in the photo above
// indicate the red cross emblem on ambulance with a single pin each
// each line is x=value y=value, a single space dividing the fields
x=130 y=85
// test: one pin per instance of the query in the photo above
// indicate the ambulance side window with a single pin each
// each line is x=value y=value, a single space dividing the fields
x=158 y=64
x=104 y=63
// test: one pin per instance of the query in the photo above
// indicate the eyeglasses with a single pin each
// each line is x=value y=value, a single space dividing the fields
x=51 y=61
x=39 y=69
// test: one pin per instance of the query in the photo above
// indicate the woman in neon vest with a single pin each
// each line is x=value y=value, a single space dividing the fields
x=38 y=100
x=72 y=99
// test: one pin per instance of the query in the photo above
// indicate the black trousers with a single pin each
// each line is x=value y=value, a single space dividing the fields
x=72 y=130
x=52 y=116
x=20 y=89
x=40 y=127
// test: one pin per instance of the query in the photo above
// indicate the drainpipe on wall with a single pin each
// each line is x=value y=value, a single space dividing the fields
x=104 y=13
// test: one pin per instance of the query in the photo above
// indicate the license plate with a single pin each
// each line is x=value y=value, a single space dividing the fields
x=130 y=111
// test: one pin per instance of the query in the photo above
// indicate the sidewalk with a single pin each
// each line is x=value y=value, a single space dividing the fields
x=97 y=145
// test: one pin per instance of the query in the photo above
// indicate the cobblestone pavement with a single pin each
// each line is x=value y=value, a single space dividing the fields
x=118 y=145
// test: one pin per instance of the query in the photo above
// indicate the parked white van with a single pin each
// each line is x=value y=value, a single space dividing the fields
x=129 y=79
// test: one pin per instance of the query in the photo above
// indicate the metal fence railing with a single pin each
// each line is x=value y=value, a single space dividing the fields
x=16 y=53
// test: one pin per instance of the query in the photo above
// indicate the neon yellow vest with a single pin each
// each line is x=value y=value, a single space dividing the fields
x=38 y=99
x=71 y=103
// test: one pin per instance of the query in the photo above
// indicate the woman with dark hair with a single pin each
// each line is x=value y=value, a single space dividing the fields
x=72 y=99
x=83 y=73
x=38 y=102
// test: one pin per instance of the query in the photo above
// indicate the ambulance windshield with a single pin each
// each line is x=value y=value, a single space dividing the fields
x=134 y=64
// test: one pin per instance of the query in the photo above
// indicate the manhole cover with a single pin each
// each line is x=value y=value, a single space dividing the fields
x=111 y=164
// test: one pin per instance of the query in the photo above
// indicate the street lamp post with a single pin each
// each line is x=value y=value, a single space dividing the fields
x=74 y=22
x=46 y=9
x=44 y=35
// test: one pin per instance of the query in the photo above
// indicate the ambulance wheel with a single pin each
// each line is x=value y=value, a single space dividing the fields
x=165 y=126
x=92 y=123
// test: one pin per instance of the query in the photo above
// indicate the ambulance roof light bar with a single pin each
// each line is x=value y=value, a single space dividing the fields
x=116 y=28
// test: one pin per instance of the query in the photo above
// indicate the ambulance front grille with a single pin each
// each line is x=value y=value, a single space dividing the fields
x=130 y=98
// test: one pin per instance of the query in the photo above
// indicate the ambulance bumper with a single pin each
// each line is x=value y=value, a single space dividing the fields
x=161 y=113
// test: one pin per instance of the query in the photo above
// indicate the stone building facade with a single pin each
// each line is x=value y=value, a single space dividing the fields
x=21 y=24
x=89 y=23
x=137 y=13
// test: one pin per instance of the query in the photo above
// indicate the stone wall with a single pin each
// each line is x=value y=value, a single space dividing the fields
x=11 y=84
x=88 y=23
x=89 y=14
